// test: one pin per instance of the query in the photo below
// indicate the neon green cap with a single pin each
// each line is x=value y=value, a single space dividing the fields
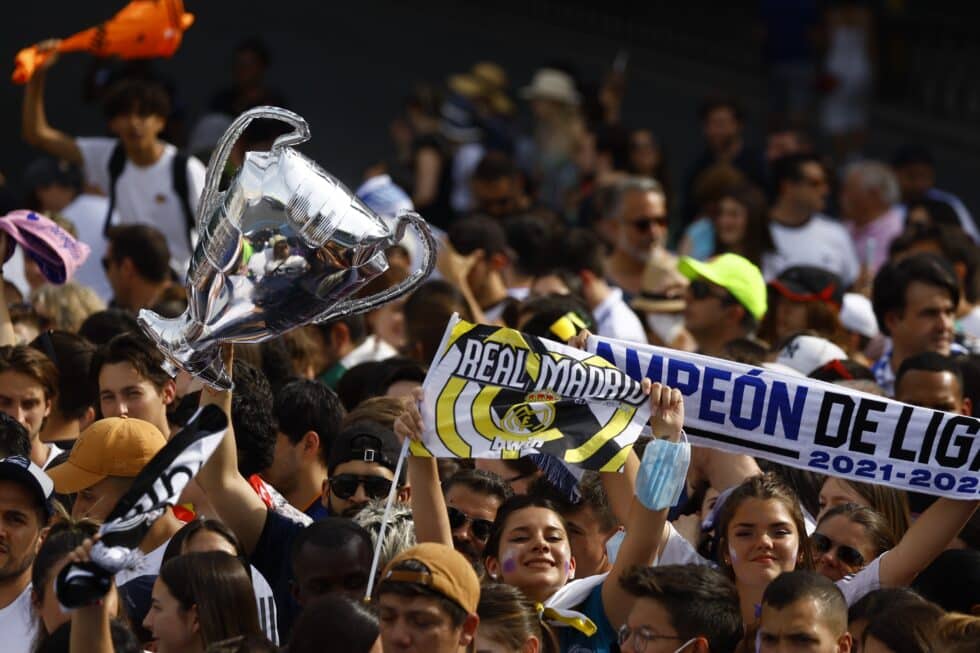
x=736 y=274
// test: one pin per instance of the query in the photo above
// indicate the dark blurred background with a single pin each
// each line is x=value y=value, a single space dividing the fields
x=347 y=67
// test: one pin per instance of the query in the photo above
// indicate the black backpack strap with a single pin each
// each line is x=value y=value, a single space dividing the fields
x=117 y=161
x=179 y=174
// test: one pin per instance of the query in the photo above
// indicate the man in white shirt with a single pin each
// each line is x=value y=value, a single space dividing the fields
x=145 y=189
x=24 y=494
x=801 y=233
x=582 y=253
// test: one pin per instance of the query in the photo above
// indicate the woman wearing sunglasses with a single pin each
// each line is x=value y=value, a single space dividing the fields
x=762 y=534
x=847 y=538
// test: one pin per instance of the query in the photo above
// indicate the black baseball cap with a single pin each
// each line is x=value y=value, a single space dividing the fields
x=47 y=170
x=805 y=283
x=23 y=471
x=365 y=441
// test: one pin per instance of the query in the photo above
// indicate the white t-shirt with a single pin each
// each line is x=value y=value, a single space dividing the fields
x=678 y=551
x=17 y=624
x=970 y=323
x=856 y=586
x=820 y=242
x=266 y=603
x=615 y=319
x=145 y=195
x=53 y=452
x=87 y=212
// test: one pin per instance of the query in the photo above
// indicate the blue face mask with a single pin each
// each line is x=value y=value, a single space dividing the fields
x=613 y=544
x=662 y=473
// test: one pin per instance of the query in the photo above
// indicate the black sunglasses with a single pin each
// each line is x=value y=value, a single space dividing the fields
x=344 y=486
x=847 y=554
x=643 y=224
x=481 y=527
x=702 y=290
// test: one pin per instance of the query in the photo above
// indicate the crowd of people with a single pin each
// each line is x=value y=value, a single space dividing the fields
x=862 y=274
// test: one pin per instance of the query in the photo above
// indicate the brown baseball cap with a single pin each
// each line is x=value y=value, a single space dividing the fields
x=450 y=574
x=115 y=446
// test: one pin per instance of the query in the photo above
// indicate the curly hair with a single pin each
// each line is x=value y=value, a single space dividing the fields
x=253 y=419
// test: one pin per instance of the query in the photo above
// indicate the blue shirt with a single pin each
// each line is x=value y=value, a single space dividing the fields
x=273 y=558
x=604 y=640
x=316 y=510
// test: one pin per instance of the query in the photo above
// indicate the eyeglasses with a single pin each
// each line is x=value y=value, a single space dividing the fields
x=344 y=486
x=847 y=554
x=702 y=290
x=643 y=224
x=642 y=637
x=481 y=527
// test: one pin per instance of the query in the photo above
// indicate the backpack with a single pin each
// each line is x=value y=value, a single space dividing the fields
x=178 y=174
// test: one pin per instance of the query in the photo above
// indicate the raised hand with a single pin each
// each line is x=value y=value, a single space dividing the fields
x=666 y=410
x=408 y=425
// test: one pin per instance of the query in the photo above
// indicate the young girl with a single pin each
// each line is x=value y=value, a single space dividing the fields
x=847 y=538
x=762 y=534
x=199 y=599
x=204 y=534
x=510 y=623
x=888 y=502
x=529 y=548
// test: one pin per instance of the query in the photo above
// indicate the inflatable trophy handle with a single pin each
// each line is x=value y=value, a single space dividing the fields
x=219 y=158
x=364 y=304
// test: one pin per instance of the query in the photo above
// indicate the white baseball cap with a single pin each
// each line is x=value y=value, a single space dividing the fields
x=806 y=353
x=858 y=315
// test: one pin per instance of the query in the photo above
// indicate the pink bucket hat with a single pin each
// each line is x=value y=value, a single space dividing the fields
x=54 y=250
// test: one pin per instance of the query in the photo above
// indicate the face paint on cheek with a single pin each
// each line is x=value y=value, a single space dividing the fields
x=509 y=566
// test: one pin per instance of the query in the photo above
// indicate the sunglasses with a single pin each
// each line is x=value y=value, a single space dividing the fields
x=846 y=554
x=481 y=527
x=643 y=224
x=344 y=486
x=702 y=290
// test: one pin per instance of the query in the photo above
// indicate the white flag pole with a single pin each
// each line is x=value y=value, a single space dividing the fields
x=384 y=521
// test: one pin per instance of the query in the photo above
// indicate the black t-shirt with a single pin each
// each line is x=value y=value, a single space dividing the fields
x=440 y=211
x=273 y=558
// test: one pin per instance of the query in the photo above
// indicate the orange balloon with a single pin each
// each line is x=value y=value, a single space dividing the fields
x=143 y=29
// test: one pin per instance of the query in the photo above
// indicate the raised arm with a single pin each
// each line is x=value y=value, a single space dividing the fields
x=428 y=503
x=233 y=498
x=34 y=122
x=927 y=537
x=90 y=630
x=619 y=488
x=720 y=469
x=646 y=527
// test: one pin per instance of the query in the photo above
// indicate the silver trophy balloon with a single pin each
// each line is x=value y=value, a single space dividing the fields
x=322 y=245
